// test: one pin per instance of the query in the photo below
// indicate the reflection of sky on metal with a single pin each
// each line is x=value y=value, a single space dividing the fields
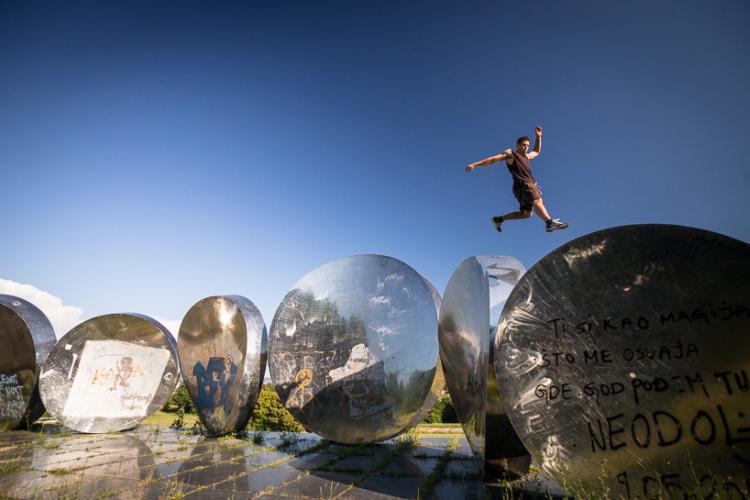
x=226 y=314
x=394 y=301
x=503 y=272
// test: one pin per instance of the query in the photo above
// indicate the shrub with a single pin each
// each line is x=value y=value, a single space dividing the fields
x=179 y=400
x=270 y=414
x=443 y=412
x=179 y=420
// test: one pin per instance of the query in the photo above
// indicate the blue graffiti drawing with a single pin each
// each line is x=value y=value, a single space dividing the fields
x=214 y=383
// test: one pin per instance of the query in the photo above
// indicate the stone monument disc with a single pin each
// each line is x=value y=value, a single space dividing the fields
x=469 y=312
x=624 y=359
x=109 y=373
x=27 y=336
x=222 y=347
x=353 y=349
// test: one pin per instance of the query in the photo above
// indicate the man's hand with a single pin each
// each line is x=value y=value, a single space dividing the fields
x=470 y=167
x=538 y=131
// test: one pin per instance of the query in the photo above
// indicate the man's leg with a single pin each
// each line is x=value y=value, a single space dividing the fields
x=524 y=208
x=521 y=214
x=541 y=211
x=516 y=215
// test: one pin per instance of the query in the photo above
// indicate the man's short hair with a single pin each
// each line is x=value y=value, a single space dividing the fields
x=522 y=139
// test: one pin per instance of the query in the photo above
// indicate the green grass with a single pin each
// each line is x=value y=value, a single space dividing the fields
x=440 y=426
x=12 y=466
x=164 y=419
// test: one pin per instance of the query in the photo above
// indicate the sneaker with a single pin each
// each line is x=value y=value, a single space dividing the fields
x=497 y=222
x=555 y=224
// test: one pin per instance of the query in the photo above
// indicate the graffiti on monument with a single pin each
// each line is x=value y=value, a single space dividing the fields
x=111 y=379
x=12 y=401
x=631 y=417
x=640 y=379
x=222 y=346
x=214 y=382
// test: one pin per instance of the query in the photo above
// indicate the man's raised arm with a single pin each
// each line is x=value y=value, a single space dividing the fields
x=537 y=143
x=492 y=159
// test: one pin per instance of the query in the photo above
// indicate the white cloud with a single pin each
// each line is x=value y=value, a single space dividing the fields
x=384 y=330
x=63 y=317
x=380 y=299
x=394 y=278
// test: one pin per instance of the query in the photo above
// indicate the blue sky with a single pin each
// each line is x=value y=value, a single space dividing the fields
x=152 y=154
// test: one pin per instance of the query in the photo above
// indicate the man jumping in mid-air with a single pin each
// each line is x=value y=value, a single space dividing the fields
x=525 y=188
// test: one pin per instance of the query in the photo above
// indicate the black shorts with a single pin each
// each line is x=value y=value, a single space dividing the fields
x=526 y=194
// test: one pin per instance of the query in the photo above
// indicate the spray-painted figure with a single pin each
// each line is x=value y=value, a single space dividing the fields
x=124 y=372
x=214 y=382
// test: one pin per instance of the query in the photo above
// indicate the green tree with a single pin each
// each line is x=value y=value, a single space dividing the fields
x=179 y=400
x=443 y=412
x=270 y=414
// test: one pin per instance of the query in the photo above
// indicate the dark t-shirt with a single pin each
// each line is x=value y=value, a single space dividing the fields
x=521 y=170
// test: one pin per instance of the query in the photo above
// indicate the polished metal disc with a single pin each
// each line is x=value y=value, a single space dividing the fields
x=624 y=359
x=222 y=347
x=109 y=373
x=27 y=337
x=469 y=313
x=353 y=349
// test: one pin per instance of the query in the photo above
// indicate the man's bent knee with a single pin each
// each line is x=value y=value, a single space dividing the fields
x=526 y=214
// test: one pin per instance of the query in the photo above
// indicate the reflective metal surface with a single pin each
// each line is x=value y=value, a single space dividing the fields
x=27 y=336
x=471 y=307
x=623 y=362
x=353 y=349
x=109 y=373
x=222 y=347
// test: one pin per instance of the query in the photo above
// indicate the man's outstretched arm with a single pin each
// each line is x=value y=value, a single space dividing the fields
x=537 y=143
x=492 y=159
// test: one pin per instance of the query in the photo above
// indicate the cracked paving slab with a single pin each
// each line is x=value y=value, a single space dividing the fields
x=157 y=463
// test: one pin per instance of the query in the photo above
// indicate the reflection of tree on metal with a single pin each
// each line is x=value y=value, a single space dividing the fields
x=299 y=397
x=214 y=383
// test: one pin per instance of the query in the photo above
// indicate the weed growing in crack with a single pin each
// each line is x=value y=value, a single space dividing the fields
x=287 y=440
x=437 y=473
x=259 y=437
